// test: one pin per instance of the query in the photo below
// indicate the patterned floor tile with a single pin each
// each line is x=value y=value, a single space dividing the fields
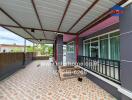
x=43 y=83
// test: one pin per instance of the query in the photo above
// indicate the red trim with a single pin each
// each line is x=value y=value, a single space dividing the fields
x=77 y=47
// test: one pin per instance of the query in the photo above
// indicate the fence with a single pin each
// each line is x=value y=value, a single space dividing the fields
x=10 y=62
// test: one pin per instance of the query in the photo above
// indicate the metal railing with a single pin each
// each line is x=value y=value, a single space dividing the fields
x=109 y=69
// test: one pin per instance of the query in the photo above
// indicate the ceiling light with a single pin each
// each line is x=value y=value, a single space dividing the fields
x=60 y=33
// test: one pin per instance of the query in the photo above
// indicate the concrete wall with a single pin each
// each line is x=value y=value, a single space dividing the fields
x=126 y=49
x=11 y=62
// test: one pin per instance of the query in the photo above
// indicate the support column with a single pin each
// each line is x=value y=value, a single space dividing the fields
x=53 y=50
x=24 y=45
x=59 y=49
x=126 y=50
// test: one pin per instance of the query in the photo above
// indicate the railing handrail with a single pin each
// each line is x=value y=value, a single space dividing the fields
x=100 y=58
x=107 y=68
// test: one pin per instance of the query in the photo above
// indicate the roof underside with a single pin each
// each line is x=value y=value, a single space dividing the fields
x=49 y=17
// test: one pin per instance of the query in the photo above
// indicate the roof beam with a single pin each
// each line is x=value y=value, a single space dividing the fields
x=13 y=32
x=16 y=22
x=101 y=18
x=89 y=8
x=12 y=26
x=64 y=14
x=37 y=15
x=40 y=39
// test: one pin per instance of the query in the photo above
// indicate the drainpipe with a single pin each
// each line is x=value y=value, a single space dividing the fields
x=77 y=47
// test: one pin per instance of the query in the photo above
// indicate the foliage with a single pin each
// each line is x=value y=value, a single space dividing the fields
x=44 y=49
x=16 y=50
x=41 y=49
x=29 y=49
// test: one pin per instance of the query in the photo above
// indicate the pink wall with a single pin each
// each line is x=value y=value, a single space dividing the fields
x=67 y=38
x=106 y=23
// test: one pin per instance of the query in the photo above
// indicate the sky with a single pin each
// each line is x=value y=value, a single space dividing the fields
x=7 y=37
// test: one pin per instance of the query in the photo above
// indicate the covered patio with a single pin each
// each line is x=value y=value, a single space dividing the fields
x=43 y=83
x=95 y=39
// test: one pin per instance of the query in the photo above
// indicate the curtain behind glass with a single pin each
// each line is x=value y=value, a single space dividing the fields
x=104 y=49
x=115 y=49
x=87 y=49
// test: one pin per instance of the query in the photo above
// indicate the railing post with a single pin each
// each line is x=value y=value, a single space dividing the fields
x=119 y=71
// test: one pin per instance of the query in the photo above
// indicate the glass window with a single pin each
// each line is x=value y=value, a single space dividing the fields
x=104 y=37
x=114 y=48
x=114 y=34
x=87 y=49
x=111 y=49
x=104 y=49
x=70 y=47
x=94 y=39
x=94 y=49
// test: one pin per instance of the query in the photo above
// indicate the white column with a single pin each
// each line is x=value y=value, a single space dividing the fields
x=109 y=55
x=98 y=47
x=90 y=49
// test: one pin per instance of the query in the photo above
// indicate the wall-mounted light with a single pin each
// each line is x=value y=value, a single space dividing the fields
x=32 y=30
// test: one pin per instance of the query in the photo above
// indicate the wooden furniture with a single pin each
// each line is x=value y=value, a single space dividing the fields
x=69 y=72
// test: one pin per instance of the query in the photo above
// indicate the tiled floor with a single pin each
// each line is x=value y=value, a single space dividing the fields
x=43 y=83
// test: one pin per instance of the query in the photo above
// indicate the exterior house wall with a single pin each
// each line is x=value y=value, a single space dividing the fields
x=126 y=50
x=71 y=57
x=109 y=88
x=125 y=27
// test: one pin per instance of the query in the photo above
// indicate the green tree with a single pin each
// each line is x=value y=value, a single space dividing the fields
x=16 y=50
x=29 y=49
